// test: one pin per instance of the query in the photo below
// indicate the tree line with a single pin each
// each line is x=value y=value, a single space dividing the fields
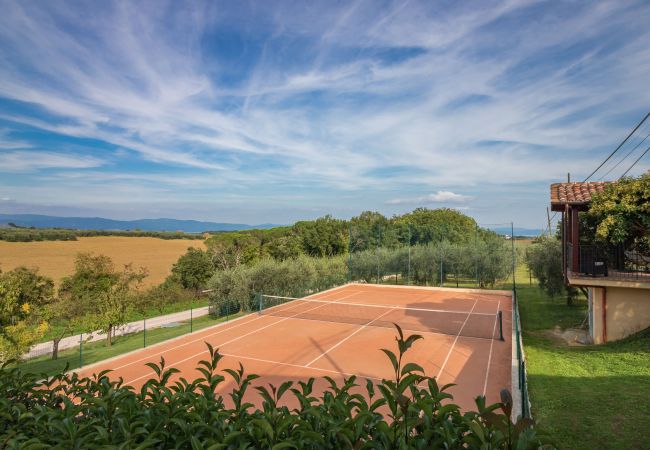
x=422 y=247
x=22 y=234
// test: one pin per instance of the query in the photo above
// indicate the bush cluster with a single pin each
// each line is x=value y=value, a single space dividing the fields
x=406 y=412
x=292 y=277
x=485 y=260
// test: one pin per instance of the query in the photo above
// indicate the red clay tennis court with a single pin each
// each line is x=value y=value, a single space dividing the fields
x=340 y=332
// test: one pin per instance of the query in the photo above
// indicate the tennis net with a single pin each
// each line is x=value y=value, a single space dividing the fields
x=455 y=323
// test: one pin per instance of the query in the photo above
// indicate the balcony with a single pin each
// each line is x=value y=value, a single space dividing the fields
x=607 y=264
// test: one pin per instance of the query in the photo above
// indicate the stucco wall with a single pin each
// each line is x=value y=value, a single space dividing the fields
x=628 y=311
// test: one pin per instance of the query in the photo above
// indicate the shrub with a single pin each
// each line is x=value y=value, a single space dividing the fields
x=406 y=412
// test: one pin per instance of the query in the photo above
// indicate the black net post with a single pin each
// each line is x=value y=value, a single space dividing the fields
x=500 y=319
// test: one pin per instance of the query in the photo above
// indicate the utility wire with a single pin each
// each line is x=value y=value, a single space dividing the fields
x=625 y=157
x=614 y=152
x=617 y=148
x=634 y=163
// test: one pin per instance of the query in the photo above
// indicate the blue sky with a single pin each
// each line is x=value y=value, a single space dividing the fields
x=267 y=111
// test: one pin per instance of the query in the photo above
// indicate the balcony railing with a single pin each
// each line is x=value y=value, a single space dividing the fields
x=611 y=262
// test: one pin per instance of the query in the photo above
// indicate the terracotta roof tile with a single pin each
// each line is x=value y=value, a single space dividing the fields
x=575 y=193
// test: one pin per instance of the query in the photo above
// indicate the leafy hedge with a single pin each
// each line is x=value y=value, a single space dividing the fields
x=486 y=260
x=406 y=412
x=292 y=277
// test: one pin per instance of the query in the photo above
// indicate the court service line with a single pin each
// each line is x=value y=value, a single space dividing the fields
x=222 y=329
x=456 y=340
x=348 y=337
x=230 y=341
x=494 y=330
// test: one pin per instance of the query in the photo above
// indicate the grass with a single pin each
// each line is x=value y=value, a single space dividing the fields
x=97 y=351
x=55 y=259
x=591 y=397
x=170 y=308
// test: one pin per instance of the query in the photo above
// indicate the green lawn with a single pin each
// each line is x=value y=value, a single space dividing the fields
x=97 y=351
x=593 y=397
x=134 y=316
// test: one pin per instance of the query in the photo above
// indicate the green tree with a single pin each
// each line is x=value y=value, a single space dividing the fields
x=284 y=247
x=160 y=296
x=436 y=225
x=23 y=295
x=621 y=214
x=103 y=294
x=193 y=269
x=229 y=250
x=62 y=314
x=324 y=236
x=544 y=259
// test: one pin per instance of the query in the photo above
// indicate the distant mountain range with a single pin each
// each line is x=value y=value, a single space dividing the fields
x=99 y=223
x=518 y=231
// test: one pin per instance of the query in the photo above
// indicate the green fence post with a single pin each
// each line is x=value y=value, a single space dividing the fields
x=191 y=329
x=81 y=350
x=408 y=278
x=350 y=255
x=144 y=329
x=514 y=253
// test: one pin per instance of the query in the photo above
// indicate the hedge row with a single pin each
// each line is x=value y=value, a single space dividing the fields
x=292 y=277
x=484 y=260
x=406 y=412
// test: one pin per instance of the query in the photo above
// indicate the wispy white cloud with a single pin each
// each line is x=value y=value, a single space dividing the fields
x=27 y=161
x=273 y=97
x=436 y=197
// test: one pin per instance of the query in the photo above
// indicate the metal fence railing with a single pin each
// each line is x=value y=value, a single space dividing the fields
x=181 y=319
x=521 y=360
x=608 y=261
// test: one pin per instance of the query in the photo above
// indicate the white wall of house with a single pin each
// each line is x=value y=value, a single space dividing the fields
x=627 y=312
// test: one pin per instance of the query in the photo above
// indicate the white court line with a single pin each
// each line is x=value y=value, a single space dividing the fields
x=232 y=340
x=456 y=340
x=494 y=330
x=222 y=329
x=346 y=338
x=394 y=307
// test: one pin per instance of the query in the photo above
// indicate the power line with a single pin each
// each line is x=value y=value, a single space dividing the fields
x=614 y=152
x=634 y=163
x=617 y=148
x=625 y=157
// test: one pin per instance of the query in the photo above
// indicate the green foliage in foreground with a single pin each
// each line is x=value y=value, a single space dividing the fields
x=406 y=412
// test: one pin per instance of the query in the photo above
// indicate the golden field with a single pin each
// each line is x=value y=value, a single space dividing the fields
x=56 y=258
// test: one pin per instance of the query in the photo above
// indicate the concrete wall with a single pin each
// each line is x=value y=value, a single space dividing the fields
x=627 y=311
